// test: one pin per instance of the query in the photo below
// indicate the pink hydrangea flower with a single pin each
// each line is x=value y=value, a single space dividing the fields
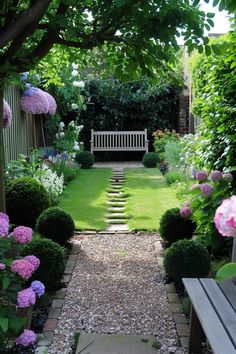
x=2 y=266
x=26 y=298
x=201 y=175
x=35 y=103
x=34 y=261
x=22 y=267
x=225 y=217
x=22 y=234
x=216 y=176
x=52 y=103
x=28 y=337
x=185 y=212
x=227 y=176
x=194 y=186
x=4 y=224
x=206 y=189
x=7 y=115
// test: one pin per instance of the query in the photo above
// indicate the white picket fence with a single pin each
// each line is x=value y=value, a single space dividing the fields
x=119 y=140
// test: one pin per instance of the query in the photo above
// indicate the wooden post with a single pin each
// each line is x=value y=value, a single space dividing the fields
x=234 y=250
x=146 y=141
x=196 y=333
x=91 y=141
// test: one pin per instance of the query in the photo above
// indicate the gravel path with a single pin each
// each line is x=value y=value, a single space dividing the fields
x=117 y=287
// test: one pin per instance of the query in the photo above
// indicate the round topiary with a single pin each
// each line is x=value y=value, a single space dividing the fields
x=150 y=159
x=25 y=201
x=52 y=264
x=174 y=227
x=85 y=159
x=186 y=259
x=56 y=224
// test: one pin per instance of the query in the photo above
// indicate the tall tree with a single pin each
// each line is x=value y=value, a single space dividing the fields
x=140 y=33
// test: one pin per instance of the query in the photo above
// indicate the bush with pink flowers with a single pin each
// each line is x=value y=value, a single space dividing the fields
x=14 y=271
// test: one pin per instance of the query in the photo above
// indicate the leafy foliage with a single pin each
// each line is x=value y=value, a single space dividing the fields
x=150 y=159
x=186 y=259
x=161 y=138
x=174 y=176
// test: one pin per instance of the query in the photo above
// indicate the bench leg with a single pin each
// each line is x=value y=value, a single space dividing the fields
x=196 y=333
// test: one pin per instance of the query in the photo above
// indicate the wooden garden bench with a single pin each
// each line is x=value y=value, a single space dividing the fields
x=119 y=140
x=213 y=313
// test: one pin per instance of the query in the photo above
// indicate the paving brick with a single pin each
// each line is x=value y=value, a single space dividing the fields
x=175 y=308
x=172 y=297
x=70 y=263
x=182 y=329
x=68 y=270
x=66 y=278
x=72 y=257
x=41 y=350
x=57 y=303
x=46 y=340
x=184 y=341
x=170 y=288
x=76 y=247
x=180 y=318
x=54 y=313
x=50 y=325
x=60 y=294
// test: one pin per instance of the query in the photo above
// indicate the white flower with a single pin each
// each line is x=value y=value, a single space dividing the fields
x=73 y=155
x=74 y=106
x=75 y=66
x=79 y=84
x=61 y=125
x=51 y=181
x=76 y=147
x=62 y=134
x=57 y=135
x=72 y=123
x=75 y=73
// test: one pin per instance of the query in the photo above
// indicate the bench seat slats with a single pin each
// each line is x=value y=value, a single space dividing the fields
x=223 y=308
x=229 y=289
x=211 y=324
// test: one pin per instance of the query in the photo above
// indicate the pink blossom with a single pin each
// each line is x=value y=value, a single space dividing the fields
x=26 y=298
x=22 y=267
x=34 y=261
x=4 y=224
x=206 y=189
x=227 y=177
x=2 y=266
x=28 y=337
x=225 y=217
x=7 y=115
x=22 y=234
x=185 y=212
x=36 y=103
x=201 y=175
x=187 y=203
x=52 y=103
x=216 y=176
x=194 y=186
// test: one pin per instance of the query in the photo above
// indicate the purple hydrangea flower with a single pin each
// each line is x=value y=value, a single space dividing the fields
x=30 y=91
x=4 y=225
x=186 y=204
x=38 y=287
x=34 y=101
x=201 y=175
x=52 y=103
x=194 y=172
x=216 y=176
x=22 y=267
x=194 y=186
x=227 y=176
x=185 y=212
x=24 y=76
x=26 y=298
x=206 y=189
x=34 y=261
x=7 y=115
x=22 y=234
x=28 y=337
x=2 y=266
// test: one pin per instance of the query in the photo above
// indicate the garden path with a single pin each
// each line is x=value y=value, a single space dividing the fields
x=116 y=288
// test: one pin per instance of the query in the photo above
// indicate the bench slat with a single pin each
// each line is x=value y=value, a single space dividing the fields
x=223 y=308
x=211 y=324
x=229 y=289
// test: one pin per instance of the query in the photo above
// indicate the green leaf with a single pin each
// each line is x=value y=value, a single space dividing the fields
x=211 y=23
x=210 y=14
x=4 y=324
x=5 y=283
x=216 y=2
x=196 y=2
x=226 y=272
x=120 y=3
x=222 y=5
x=16 y=324
x=208 y=50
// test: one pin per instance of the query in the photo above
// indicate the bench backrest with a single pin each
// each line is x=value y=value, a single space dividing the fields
x=119 y=140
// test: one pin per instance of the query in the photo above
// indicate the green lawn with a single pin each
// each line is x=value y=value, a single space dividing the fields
x=85 y=198
x=149 y=198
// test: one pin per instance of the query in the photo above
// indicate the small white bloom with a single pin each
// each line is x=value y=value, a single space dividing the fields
x=72 y=123
x=57 y=135
x=79 y=84
x=76 y=147
x=61 y=125
x=62 y=134
x=75 y=66
x=75 y=73
x=74 y=106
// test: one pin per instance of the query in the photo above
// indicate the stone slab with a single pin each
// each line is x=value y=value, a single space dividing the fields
x=116 y=344
x=182 y=329
x=170 y=288
x=50 y=325
x=60 y=294
x=117 y=227
x=180 y=318
x=41 y=350
x=184 y=342
x=172 y=297
x=57 y=303
x=46 y=340
x=54 y=313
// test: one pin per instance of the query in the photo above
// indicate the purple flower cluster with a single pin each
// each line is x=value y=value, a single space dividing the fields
x=28 y=337
x=216 y=176
x=4 y=224
x=185 y=211
x=227 y=177
x=38 y=287
x=7 y=115
x=37 y=101
x=22 y=234
x=23 y=268
x=52 y=103
x=2 y=266
x=206 y=189
x=34 y=261
x=201 y=176
x=26 y=298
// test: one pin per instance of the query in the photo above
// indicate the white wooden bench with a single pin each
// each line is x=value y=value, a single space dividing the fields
x=119 y=140
x=213 y=313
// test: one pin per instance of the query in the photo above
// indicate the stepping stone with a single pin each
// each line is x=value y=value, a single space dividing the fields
x=116 y=209
x=116 y=344
x=116 y=221
x=117 y=227
x=117 y=215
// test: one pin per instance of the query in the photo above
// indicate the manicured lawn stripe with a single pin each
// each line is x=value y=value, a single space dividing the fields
x=85 y=198
x=149 y=198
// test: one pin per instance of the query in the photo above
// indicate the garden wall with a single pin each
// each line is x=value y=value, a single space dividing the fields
x=18 y=138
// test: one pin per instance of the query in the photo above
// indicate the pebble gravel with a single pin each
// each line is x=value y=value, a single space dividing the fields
x=117 y=287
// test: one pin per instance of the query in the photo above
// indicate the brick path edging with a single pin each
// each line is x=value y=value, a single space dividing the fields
x=51 y=323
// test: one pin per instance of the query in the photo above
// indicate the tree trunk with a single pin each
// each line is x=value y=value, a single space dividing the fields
x=2 y=190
